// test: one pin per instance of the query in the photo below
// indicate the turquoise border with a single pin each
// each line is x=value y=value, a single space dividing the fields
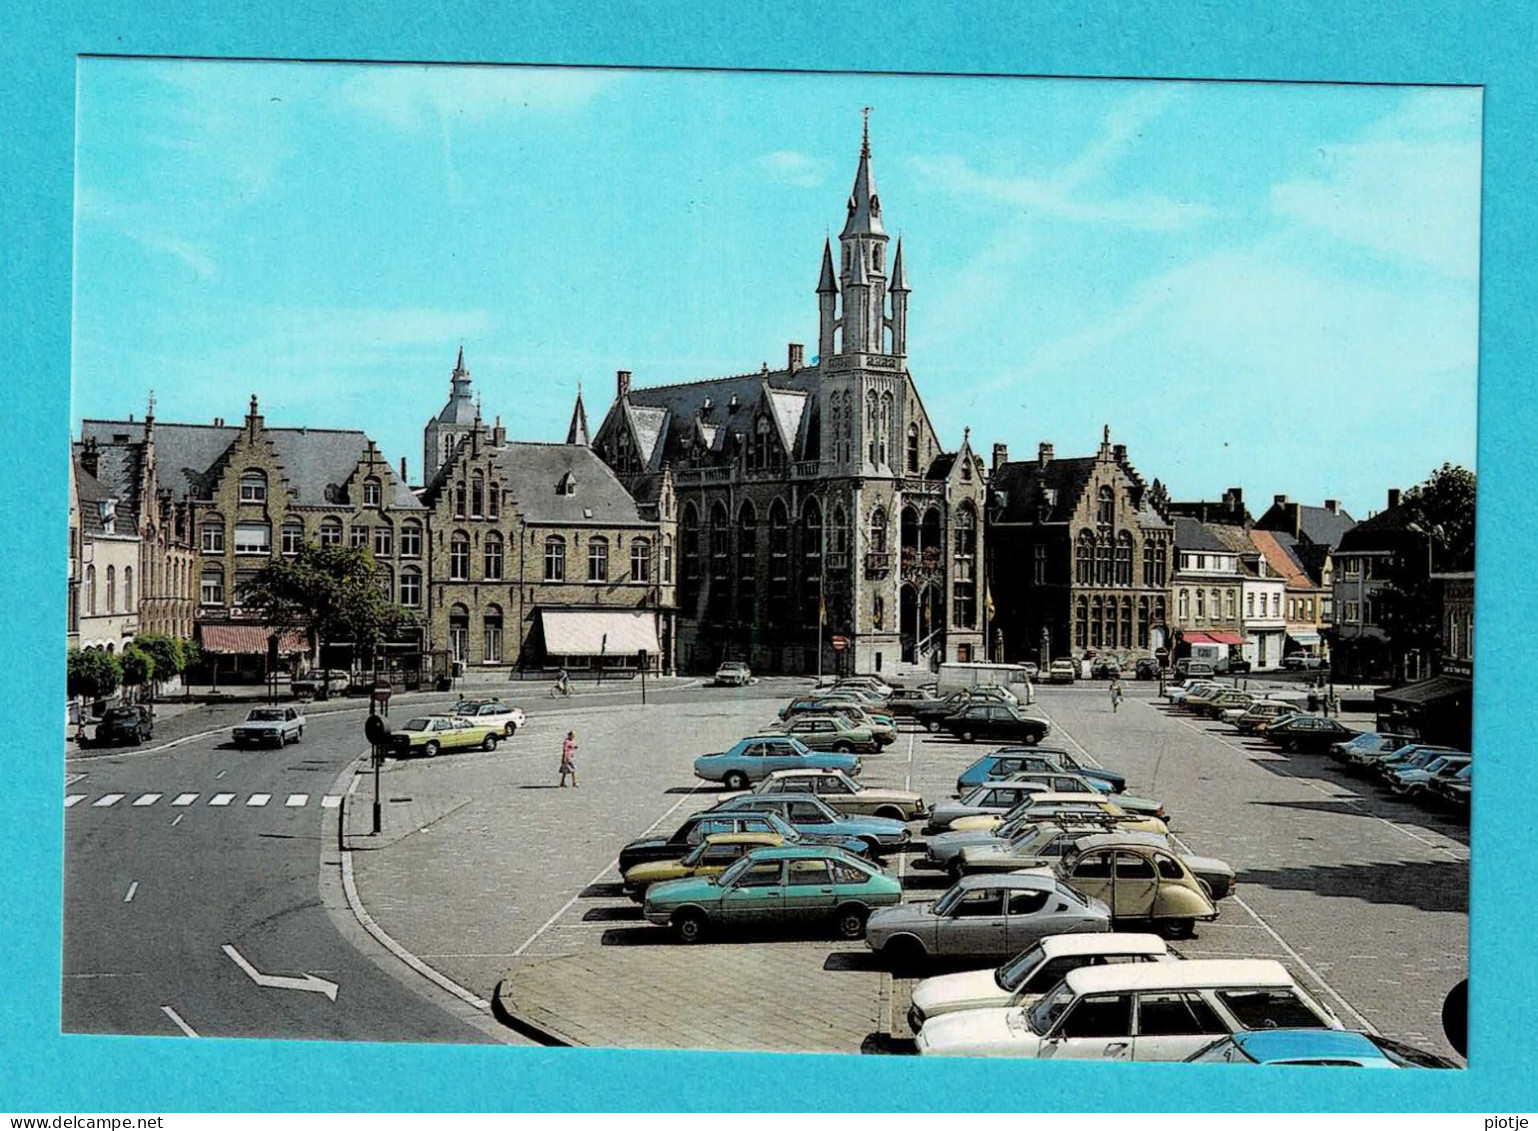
x=1474 y=43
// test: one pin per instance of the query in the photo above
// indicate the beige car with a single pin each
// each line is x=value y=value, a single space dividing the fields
x=1141 y=884
x=1055 y=805
x=845 y=795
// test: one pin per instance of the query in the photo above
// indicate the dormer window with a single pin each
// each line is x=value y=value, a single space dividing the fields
x=567 y=485
x=705 y=407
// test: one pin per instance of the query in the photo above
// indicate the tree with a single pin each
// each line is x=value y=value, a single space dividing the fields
x=93 y=673
x=1442 y=509
x=1437 y=521
x=171 y=654
x=137 y=666
x=331 y=592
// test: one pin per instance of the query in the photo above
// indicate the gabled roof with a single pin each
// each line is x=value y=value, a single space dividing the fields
x=786 y=407
x=1029 y=487
x=1193 y=535
x=1280 y=558
x=532 y=472
x=1319 y=525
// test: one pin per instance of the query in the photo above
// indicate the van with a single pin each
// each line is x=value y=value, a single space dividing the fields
x=965 y=676
x=1151 y=1011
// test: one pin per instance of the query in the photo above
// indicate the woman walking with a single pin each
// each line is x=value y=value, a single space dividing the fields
x=569 y=759
x=1115 y=693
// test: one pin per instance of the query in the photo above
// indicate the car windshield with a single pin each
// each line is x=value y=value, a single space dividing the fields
x=265 y=715
x=975 y=796
x=418 y=724
x=1050 y=1008
x=1012 y=975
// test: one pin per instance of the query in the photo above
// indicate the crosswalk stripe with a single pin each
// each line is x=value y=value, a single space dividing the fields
x=257 y=800
x=331 y=801
x=295 y=800
x=185 y=798
x=73 y=799
x=147 y=799
x=71 y=779
x=108 y=799
x=221 y=799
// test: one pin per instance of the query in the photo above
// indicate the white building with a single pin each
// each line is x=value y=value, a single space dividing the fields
x=109 y=560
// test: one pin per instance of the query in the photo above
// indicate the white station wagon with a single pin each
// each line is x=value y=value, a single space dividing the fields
x=1155 y=1011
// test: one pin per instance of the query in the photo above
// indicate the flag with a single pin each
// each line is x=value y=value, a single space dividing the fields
x=822 y=610
x=988 y=600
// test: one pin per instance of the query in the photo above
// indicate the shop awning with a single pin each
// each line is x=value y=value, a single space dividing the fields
x=1307 y=639
x=1435 y=690
x=249 y=639
x=611 y=632
x=1197 y=638
x=1224 y=638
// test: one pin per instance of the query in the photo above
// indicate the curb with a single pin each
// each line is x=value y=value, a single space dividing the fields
x=521 y=1025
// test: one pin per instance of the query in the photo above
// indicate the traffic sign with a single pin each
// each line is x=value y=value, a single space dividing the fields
x=840 y=643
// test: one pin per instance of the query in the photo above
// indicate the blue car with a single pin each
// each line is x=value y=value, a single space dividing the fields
x=1337 y=1048
x=1010 y=760
x=1408 y=781
x=809 y=814
x=756 y=757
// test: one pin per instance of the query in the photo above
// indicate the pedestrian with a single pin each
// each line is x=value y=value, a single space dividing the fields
x=569 y=759
x=1115 y=693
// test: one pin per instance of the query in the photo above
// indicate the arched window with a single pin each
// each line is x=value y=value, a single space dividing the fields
x=913 y=449
x=1201 y=605
x=493 y=635
x=779 y=562
x=90 y=591
x=1124 y=558
x=667 y=559
x=690 y=553
x=459 y=556
x=459 y=634
x=477 y=495
x=640 y=560
x=493 y=553
x=720 y=560
x=873 y=427
x=459 y=499
x=1142 y=622
x=1084 y=558
x=1126 y=622
x=111 y=590
x=253 y=486
x=213 y=535
x=1103 y=560
x=411 y=587
x=411 y=539
x=1105 y=510
x=331 y=531
x=1081 y=623
x=1148 y=562
x=747 y=563
x=293 y=536
x=964 y=557
x=888 y=441
x=598 y=558
x=811 y=554
x=1096 y=622
x=555 y=558
x=877 y=544
x=493 y=501
x=838 y=532
x=128 y=589
x=1183 y=605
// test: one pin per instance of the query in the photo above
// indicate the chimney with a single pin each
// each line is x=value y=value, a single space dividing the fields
x=498 y=433
x=1332 y=505
x=1044 y=453
x=218 y=422
x=88 y=456
x=797 y=356
x=622 y=381
x=1279 y=500
x=1393 y=497
x=1000 y=455
x=403 y=470
x=1119 y=453
x=1295 y=512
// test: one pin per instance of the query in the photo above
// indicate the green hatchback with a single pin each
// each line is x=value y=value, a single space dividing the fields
x=776 y=887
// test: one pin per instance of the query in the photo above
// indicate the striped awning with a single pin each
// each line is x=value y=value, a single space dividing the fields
x=249 y=639
x=594 y=632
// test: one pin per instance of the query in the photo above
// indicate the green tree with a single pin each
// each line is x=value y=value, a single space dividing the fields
x=1437 y=523
x=332 y=592
x=93 y=673
x=138 y=667
x=171 y=654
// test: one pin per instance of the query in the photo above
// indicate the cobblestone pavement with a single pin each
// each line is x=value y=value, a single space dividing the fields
x=491 y=874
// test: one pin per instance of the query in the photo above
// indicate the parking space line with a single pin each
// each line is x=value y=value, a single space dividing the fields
x=73 y=799
x=107 y=799
x=331 y=800
x=297 y=800
x=146 y=799
x=257 y=800
x=221 y=799
x=132 y=888
x=176 y=1017
x=185 y=798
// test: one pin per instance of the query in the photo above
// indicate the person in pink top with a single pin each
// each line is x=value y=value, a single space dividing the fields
x=569 y=759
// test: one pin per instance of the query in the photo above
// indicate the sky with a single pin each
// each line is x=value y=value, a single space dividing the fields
x=1271 y=286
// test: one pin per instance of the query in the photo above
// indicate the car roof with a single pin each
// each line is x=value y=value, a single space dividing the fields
x=807 y=772
x=1025 y=880
x=761 y=738
x=1193 y=973
x=800 y=852
x=1281 y=1044
x=771 y=840
x=1069 y=797
x=1131 y=838
x=1057 y=946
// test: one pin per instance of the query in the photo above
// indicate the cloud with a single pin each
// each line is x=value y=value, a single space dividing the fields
x=791 y=168
x=409 y=97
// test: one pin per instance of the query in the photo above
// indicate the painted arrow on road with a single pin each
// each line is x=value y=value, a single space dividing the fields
x=277 y=981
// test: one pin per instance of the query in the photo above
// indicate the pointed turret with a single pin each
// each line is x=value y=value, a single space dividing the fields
x=899 y=278
x=864 y=205
x=577 y=433
x=827 y=305
x=863 y=274
x=827 y=284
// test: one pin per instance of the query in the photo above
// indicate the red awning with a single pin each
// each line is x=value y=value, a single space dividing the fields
x=1224 y=638
x=249 y=639
x=1198 y=638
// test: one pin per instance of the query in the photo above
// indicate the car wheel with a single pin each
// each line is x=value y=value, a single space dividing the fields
x=891 y=812
x=968 y=736
x=843 y=748
x=430 y=749
x=1177 y=928
x=489 y=742
x=511 y=729
x=689 y=927
x=1032 y=739
x=955 y=868
x=1291 y=746
x=904 y=953
x=850 y=920
x=872 y=845
x=933 y=727
x=736 y=780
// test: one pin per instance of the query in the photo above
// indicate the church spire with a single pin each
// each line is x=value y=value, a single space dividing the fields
x=577 y=433
x=826 y=284
x=864 y=205
x=899 y=279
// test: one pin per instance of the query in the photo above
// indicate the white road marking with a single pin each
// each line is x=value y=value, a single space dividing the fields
x=220 y=774
x=257 y=800
x=221 y=799
x=309 y=982
x=353 y=788
x=331 y=801
x=71 y=779
x=178 y=820
x=296 y=800
x=106 y=800
x=176 y=1017
x=133 y=887
x=185 y=798
x=73 y=800
x=146 y=799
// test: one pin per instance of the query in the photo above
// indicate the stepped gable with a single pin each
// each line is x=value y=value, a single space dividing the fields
x=1026 y=484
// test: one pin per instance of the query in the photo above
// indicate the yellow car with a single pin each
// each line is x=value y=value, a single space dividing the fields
x=431 y=735
x=1054 y=804
x=710 y=858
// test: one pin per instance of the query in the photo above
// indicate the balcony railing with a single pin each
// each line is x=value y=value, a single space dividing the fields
x=877 y=563
x=806 y=469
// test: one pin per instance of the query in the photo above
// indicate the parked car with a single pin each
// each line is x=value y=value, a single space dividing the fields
x=319 y=682
x=807 y=813
x=1062 y=781
x=904 y=702
x=1197 y=700
x=1147 y=669
x=1010 y=760
x=930 y=715
x=1308 y=733
x=1365 y=760
x=1029 y=844
x=733 y=673
x=1125 y=803
x=1261 y=711
x=1151 y=1011
x=1030 y=974
x=493 y=712
x=1031 y=670
x=1455 y=792
x=710 y=857
x=1105 y=667
x=1025 y=850
x=131 y=723
x=996 y=721
x=1226 y=700
x=995 y=797
x=756 y=757
x=776 y=887
x=1239 y=666
x=882 y=727
x=984 y=917
x=269 y=726
x=1062 y=671
x=1040 y=805
x=1194 y=669
x=1409 y=758
x=835 y=733
x=1375 y=743
x=846 y=795
x=1333 y=1048
x=1141 y=884
x=429 y=735
x=1302 y=662
x=1179 y=692
x=694 y=829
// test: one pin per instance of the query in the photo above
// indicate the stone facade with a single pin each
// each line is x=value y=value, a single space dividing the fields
x=109 y=560
x=815 y=500
x=1081 y=555
x=1208 y=586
